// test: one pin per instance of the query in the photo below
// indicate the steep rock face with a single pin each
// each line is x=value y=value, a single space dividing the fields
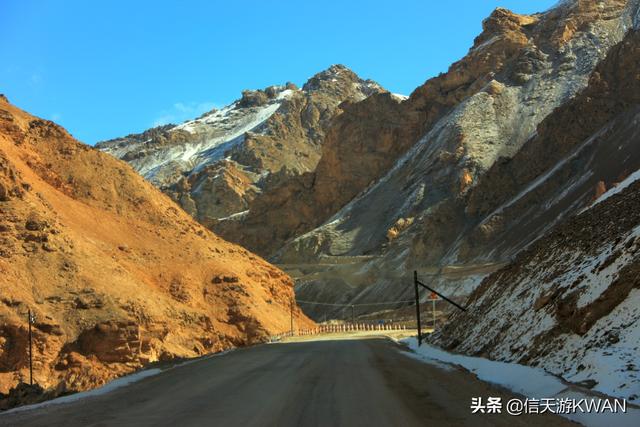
x=570 y=303
x=584 y=147
x=260 y=134
x=116 y=274
x=485 y=107
x=360 y=144
x=435 y=178
x=214 y=191
x=367 y=139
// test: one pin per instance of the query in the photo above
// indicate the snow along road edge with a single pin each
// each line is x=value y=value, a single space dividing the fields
x=525 y=380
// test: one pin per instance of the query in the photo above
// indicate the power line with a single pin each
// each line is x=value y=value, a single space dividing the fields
x=354 y=305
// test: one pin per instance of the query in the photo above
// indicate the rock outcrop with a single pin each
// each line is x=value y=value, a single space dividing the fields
x=215 y=165
x=116 y=274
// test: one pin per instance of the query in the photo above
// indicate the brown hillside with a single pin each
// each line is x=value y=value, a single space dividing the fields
x=117 y=275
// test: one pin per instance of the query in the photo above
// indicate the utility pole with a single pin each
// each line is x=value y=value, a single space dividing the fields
x=434 y=294
x=292 y=317
x=434 y=311
x=31 y=319
x=353 y=317
x=415 y=285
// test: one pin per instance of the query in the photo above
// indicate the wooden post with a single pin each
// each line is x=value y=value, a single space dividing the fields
x=415 y=285
x=30 y=350
x=434 y=314
x=291 y=331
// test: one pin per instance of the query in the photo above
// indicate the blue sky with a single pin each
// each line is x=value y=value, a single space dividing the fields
x=108 y=68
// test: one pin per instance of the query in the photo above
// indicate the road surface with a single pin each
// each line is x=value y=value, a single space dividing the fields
x=357 y=382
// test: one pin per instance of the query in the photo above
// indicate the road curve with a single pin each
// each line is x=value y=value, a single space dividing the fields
x=366 y=382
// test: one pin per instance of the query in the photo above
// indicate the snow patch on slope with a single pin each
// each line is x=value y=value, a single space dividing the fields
x=399 y=96
x=618 y=188
x=211 y=136
x=233 y=122
x=520 y=316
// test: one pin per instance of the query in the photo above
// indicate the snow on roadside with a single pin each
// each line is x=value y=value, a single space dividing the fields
x=107 y=388
x=524 y=380
x=110 y=386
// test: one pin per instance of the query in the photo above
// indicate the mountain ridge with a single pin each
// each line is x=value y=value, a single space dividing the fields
x=258 y=135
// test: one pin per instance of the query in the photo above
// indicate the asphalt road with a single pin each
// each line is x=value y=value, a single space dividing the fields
x=366 y=382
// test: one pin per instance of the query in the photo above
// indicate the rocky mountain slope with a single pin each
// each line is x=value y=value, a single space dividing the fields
x=457 y=126
x=583 y=148
x=432 y=207
x=116 y=274
x=473 y=167
x=215 y=165
x=570 y=303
